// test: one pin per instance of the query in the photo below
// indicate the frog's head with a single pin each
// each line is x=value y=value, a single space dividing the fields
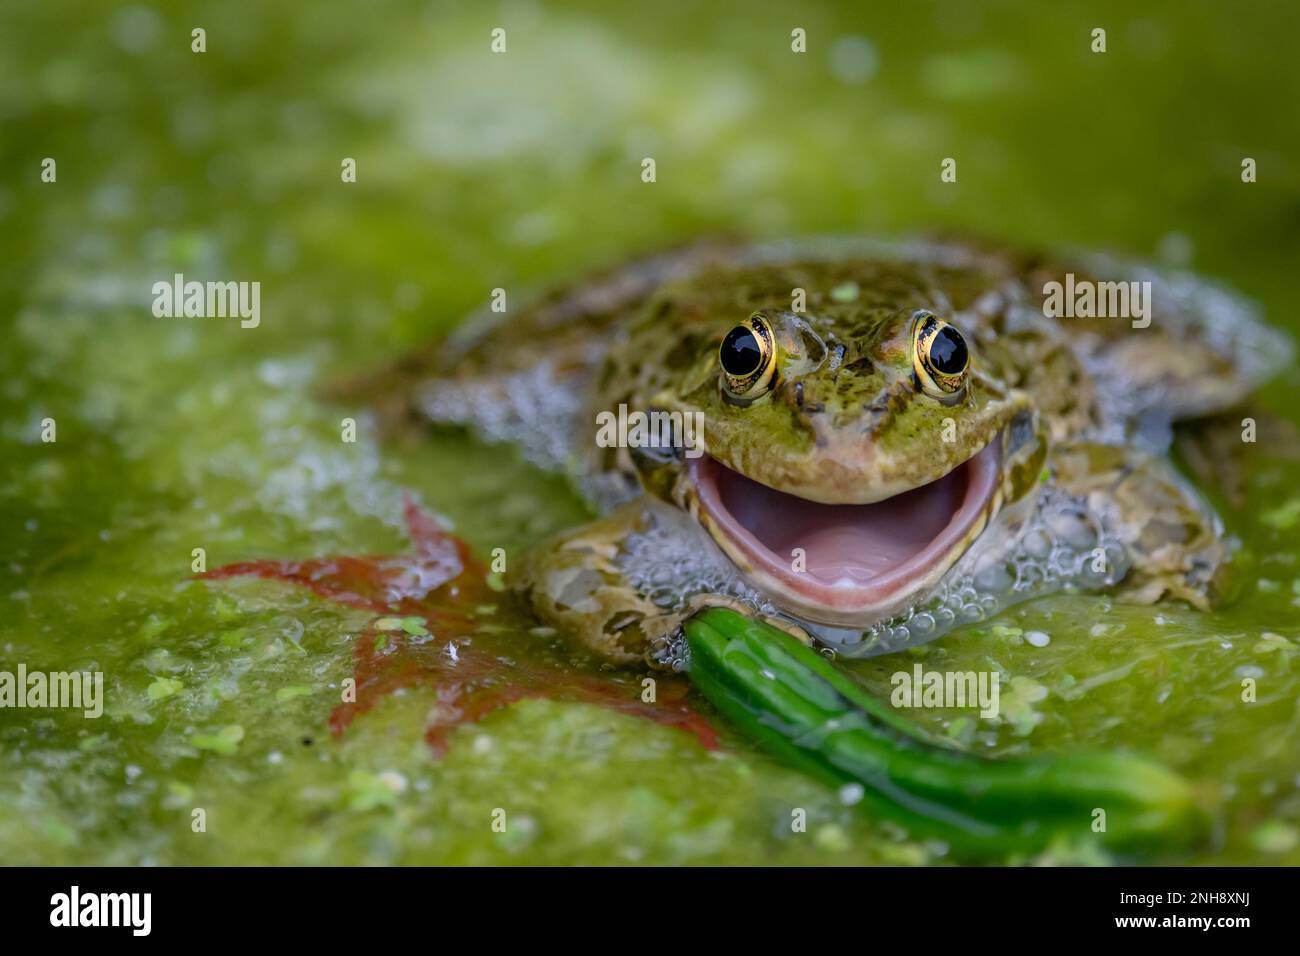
x=849 y=458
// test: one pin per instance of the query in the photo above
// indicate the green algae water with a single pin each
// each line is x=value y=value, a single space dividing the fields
x=221 y=738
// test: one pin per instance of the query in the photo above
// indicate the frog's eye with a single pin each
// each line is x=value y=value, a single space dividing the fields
x=940 y=358
x=748 y=359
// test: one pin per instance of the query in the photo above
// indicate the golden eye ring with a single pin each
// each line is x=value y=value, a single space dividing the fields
x=940 y=357
x=748 y=359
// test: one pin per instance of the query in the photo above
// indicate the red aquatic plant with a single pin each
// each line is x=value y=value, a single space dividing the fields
x=440 y=624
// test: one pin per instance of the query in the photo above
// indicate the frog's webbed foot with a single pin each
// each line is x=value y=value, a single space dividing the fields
x=1173 y=537
x=576 y=584
x=573 y=583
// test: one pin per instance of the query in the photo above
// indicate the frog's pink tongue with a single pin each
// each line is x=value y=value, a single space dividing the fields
x=850 y=543
x=854 y=556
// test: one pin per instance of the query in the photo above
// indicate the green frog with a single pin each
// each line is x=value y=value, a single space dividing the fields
x=891 y=439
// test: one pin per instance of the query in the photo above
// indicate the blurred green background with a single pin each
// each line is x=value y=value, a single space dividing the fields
x=477 y=170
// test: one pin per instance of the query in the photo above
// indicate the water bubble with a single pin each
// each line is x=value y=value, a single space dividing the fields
x=663 y=597
x=1037 y=544
x=1074 y=528
x=995 y=576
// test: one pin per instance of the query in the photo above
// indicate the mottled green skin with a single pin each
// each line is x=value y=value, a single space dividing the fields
x=846 y=421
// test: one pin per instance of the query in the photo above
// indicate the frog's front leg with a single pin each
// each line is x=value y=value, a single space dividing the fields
x=575 y=583
x=1174 y=538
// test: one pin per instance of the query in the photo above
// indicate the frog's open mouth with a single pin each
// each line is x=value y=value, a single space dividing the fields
x=847 y=563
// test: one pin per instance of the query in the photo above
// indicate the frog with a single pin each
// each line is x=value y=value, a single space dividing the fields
x=896 y=437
